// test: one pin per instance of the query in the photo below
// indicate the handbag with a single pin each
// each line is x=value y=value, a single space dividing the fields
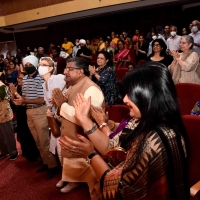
x=115 y=156
x=54 y=126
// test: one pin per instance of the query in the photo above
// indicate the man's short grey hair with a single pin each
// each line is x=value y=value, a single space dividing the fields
x=172 y=26
x=189 y=39
x=40 y=48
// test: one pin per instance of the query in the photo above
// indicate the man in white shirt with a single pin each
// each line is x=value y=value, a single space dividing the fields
x=75 y=48
x=174 y=41
x=196 y=35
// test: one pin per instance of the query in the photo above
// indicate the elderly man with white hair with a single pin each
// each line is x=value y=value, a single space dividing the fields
x=41 y=53
x=33 y=98
x=84 y=52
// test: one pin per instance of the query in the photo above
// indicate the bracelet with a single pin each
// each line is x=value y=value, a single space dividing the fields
x=102 y=125
x=94 y=128
x=89 y=158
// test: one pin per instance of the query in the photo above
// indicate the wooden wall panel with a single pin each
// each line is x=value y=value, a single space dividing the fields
x=15 y=6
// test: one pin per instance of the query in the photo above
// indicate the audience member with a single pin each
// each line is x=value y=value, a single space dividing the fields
x=131 y=67
x=90 y=46
x=185 y=67
x=159 y=53
x=184 y=31
x=41 y=53
x=76 y=169
x=67 y=46
x=141 y=49
x=109 y=49
x=12 y=73
x=50 y=50
x=122 y=56
x=149 y=35
x=135 y=38
x=7 y=139
x=59 y=62
x=75 y=48
x=105 y=77
x=28 y=51
x=127 y=40
x=153 y=136
x=114 y=41
x=46 y=70
x=19 y=53
x=196 y=35
x=101 y=44
x=27 y=143
x=173 y=41
x=84 y=52
x=19 y=66
x=33 y=98
x=166 y=32
x=6 y=65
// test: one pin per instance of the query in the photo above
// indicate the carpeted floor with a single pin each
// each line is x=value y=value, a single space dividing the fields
x=19 y=181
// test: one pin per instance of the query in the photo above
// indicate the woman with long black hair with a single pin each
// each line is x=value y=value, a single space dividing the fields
x=153 y=135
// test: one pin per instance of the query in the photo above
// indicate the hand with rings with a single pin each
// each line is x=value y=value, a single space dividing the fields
x=73 y=149
x=81 y=148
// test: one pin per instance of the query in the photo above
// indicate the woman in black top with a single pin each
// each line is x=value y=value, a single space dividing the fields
x=159 y=53
x=141 y=49
x=105 y=77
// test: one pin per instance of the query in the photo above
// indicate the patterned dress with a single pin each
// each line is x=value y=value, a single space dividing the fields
x=150 y=173
x=108 y=85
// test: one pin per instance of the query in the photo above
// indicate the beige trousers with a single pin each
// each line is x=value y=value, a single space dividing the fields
x=78 y=170
x=38 y=125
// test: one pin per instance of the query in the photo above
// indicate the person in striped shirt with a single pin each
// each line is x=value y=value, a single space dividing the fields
x=33 y=98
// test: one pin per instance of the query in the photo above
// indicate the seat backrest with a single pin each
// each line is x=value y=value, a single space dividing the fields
x=118 y=112
x=140 y=62
x=188 y=95
x=192 y=125
x=120 y=73
x=107 y=108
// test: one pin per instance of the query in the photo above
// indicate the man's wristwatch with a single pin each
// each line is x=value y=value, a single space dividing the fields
x=89 y=158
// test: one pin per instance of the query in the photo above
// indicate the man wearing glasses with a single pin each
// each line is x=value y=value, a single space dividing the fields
x=33 y=98
x=75 y=169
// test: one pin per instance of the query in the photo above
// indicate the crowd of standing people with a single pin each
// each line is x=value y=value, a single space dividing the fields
x=72 y=83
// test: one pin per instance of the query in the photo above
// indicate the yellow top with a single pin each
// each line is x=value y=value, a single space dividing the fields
x=68 y=47
x=115 y=40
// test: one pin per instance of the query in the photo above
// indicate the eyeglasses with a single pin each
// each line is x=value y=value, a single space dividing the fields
x=156 y=45
x=71 y=68
x=99 y=58
x=183 y=42
x=19 y=78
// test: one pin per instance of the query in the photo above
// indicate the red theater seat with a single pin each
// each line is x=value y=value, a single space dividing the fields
x=118 y=112
x=192 y=125
x=120 y=73
x=188 y=95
